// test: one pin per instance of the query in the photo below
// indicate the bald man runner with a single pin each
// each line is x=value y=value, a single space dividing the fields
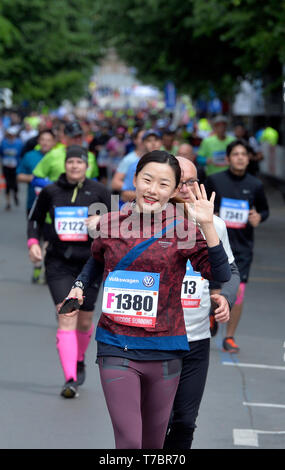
x=196 y=302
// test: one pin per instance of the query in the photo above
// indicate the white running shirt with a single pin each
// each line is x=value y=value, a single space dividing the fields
x=197 y=321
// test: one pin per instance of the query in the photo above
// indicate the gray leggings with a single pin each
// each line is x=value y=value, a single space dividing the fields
x=139 y=397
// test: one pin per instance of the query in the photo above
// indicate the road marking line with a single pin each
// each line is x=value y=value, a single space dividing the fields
x=249 y=437
x=245 y=437
x=265 y=405
x=257 y=366
x=270 y=432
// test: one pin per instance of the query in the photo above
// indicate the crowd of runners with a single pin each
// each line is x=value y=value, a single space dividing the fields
x=162 y=218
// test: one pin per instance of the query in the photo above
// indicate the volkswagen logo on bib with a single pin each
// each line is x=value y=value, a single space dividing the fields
x=148 y=281
x=80 y=212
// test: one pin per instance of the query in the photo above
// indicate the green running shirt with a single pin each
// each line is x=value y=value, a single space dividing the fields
x=52 y=164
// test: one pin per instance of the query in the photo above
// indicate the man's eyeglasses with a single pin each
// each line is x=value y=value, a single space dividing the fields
x=188 y=183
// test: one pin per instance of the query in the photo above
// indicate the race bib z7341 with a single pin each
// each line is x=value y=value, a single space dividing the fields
x=234 y=212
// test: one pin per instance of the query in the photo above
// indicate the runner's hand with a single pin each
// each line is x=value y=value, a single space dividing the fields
x=70 y=314
x=222 y=312
x=200 y=208
x=78 y=293
x=35 y=253
x=254 y=218
x=91 y=224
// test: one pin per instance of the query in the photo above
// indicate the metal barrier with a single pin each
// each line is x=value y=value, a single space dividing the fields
x=273 y=165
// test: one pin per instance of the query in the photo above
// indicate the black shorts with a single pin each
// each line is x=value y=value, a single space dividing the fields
x=61 y=274
x=243 y=262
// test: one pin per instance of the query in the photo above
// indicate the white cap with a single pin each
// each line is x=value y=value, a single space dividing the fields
x=12 y=130
x=220 y=118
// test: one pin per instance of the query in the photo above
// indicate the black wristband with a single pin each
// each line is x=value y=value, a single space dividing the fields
x=78 y=284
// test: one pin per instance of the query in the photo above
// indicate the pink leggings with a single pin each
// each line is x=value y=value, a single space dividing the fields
x=139 y=397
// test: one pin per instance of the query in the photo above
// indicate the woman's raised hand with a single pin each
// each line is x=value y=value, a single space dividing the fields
x=200 y=208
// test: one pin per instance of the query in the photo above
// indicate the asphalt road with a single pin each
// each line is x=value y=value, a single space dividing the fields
x=243 y=405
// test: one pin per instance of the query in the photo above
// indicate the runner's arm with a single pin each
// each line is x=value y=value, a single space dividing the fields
x=211 y=262
x=118 y=181
x=261 y=204
x=128 y=189
x=40 y=182
x=228 y=289
x=24 y=178
x=218 y=260
x=90 y=272
x=37 y=216
x=128 y=196
x=23 y=173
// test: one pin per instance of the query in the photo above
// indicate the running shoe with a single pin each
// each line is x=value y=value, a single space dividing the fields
x=42 y=277
x=36 y=275
x=81 y=373
x=213 y=324
x=69 y=389
x=229 y=345
x=39 y=276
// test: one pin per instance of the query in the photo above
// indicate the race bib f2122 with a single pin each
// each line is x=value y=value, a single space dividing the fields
x=70 y=223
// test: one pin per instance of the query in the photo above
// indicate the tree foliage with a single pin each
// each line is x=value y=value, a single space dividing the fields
x=199 y=45
x=47 y=48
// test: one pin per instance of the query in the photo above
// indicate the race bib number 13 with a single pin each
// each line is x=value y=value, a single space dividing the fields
x=131 y=297
x=192 y=286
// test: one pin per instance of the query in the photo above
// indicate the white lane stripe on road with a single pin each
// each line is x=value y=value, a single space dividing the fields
x=265 y=405
x=249 y=437
x=257 y=366
x=245 y=437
